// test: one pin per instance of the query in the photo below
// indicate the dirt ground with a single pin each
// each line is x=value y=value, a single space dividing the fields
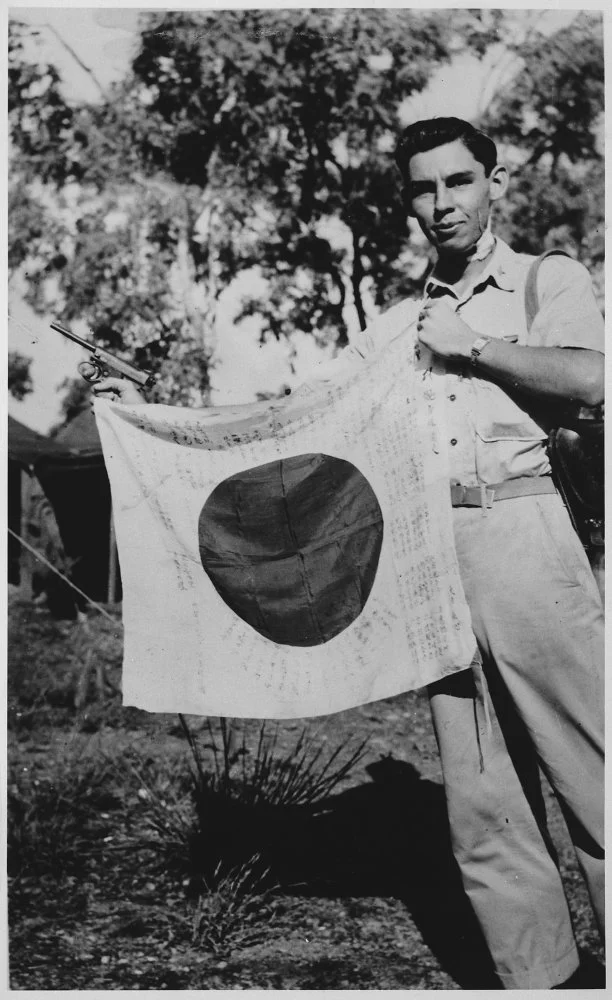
x=364 y=891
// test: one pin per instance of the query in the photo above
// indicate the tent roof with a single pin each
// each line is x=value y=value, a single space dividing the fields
x=76 y=445
x=81 y=436
x=27 y=446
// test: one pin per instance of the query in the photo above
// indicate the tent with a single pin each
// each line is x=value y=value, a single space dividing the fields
x=26 y=447
x=80 y=437
x=70 y=469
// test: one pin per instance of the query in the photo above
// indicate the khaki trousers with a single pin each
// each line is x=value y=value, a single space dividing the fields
x=538 y=700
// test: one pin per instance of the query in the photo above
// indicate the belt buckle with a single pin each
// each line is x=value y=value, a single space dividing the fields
x=487 y=497
x=459 y=493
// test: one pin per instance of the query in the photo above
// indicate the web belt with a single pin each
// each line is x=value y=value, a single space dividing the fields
x=486 y=496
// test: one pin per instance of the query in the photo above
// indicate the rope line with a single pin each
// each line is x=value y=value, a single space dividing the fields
x=42 y=558
x=24 y=327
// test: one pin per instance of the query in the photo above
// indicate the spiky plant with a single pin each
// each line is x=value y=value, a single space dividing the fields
x=236 y=910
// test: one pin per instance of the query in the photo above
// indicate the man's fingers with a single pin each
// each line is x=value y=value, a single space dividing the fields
x=108 y=385
x=424 y=312
x=118 y=390
x=111 y=389
x=441 y=305
x=434 y=309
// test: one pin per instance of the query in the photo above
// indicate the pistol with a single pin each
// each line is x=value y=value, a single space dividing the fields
x=102 y=363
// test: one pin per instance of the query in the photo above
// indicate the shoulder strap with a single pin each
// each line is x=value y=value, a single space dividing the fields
x=531 y=285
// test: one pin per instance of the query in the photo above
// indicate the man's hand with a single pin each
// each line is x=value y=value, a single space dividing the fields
x=572 y=374
x=118 y=390
x=444 y=332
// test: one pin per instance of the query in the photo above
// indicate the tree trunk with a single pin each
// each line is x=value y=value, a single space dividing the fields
x=356 y=279
x=26 y=564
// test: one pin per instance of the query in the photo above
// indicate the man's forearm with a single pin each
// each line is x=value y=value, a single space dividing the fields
x=567 y=373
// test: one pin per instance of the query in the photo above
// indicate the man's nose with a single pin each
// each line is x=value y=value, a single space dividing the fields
x=443 y=199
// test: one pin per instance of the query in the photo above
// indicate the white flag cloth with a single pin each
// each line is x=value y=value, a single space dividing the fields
x=290 y=558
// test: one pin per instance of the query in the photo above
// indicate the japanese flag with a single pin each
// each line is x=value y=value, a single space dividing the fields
x=289 y=558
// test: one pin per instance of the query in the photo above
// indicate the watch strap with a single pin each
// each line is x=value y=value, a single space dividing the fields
x=477 y=347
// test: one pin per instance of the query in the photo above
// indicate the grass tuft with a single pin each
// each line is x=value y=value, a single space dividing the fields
x=298 y=776
x=256 y=797
x=162 y=809
x=57 y=818
x=62 y=673
x=237 y=911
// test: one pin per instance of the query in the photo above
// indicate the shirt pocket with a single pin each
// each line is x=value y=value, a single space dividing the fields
x=497 y=417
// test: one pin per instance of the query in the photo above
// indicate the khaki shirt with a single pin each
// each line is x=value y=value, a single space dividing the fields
x=491 y=437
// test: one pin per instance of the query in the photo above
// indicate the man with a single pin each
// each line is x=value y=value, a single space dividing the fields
x=536 y=610
x=535 y=606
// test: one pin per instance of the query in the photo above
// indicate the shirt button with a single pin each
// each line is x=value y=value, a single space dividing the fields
x=453 y=441
x=452 y=397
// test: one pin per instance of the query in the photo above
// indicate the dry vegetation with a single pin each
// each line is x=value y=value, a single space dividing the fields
x=143 y=855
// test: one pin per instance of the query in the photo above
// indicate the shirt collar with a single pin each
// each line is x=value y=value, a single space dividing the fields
x=503 y=269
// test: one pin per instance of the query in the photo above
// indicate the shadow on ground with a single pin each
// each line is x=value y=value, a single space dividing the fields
x=388 y=837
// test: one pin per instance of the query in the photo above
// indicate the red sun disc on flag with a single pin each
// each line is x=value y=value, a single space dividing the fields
x=293 y=546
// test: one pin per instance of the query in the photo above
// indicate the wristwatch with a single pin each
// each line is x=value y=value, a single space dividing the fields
x=477 y=347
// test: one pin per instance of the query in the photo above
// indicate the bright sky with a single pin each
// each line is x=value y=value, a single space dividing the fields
x=102 y=40
x=94 y=39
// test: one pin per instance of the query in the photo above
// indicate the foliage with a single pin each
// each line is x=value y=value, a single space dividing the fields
x=56 y=819
x=563 y=211
x=292 y=114
x=77 y=396
x=212 y=822
x=28 y=226
x=260 y=142
x=299 y=776
x=56 y=683
x=552 y=117
x=110 y=920
x=41 y=121
x=165 y=801
x=19 y=378
x=237 y=911
x=258 y=796
x=240 y=138
x=556 y=102
x=95 y=238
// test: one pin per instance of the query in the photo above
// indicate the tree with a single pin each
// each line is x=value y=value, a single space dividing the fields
x=41 y=122
x=19 y=378
x=556 y=102
x=96 y=239
x=291 y=116
x=551 y=121
x=274 y=127
x=77 y=397
x=260 y=141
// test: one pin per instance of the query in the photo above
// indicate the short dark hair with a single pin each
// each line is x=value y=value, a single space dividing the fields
x=429 y=133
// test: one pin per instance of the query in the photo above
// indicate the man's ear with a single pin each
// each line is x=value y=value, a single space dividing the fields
x=498 y=182
x=407 y=199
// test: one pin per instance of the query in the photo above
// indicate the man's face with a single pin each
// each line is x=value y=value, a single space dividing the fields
x=450 y=196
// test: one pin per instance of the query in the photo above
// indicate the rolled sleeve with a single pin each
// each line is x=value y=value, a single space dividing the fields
x=568 y=315
x=399 y=320
x=365 y=345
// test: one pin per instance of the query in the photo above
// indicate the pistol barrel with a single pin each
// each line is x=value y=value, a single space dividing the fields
x=72 y=336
